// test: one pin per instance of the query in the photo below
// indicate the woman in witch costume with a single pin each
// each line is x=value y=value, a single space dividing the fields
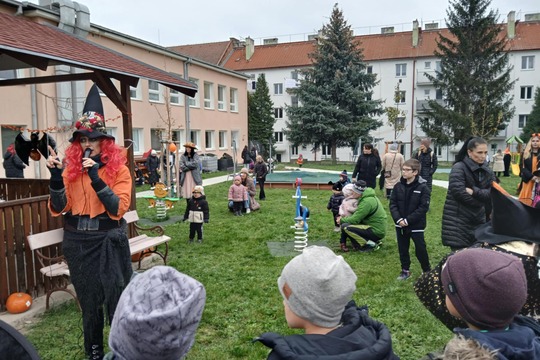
x=92 y=188
x=530 y=164
x=190 y=165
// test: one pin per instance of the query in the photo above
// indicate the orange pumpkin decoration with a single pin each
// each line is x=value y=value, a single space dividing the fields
x=18 y=303
x=172 y=147
x=145 y=253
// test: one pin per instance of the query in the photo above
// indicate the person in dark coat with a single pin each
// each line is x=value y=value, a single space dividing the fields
x=428 y=160
x=246 y=156
x=409 y=204
x=468 y=201
x=152 y=165
x=13 y=164
x=335 y=202
x=368 y=166
x=14 y=346
x=507 y=159
x=335 y=328
x=260 y=170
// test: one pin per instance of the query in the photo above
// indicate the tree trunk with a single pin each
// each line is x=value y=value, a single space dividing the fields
x=334 y=153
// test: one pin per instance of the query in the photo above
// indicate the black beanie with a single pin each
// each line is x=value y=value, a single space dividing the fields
x=487 y=288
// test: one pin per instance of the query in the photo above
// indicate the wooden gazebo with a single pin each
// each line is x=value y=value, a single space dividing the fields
x=25 y=43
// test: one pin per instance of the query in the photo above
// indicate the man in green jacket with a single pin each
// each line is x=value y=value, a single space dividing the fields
x=367 y=223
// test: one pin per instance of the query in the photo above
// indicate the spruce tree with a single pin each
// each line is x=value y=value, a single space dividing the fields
x=335 y=94
x=474 y=76
x=533 y=120
x=261 y=114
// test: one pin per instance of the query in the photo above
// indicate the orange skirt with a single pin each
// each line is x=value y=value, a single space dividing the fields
x=526 y=195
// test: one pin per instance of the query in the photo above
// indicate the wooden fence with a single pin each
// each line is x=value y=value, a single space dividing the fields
x=24 y=213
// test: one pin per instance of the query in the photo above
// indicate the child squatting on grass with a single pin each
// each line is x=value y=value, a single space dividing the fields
x=237 y=195
x=409 y=204
x=196 y=213
x=487 y=289
x=317 y=288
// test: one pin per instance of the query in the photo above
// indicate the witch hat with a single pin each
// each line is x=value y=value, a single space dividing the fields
x=92 y=122
x=511 y=220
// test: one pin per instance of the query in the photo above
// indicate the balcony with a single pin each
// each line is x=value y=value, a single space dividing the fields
x=423 y=105
x=422 y=79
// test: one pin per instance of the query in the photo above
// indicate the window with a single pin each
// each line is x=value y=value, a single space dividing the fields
x=175 y=97
x=527 y=62
x=522 y=121
x=209 y=139
x=253 y=85
x=138 y=140
x=278 y=113
x=208 y=95
x=111 y=131
x=222 y=140
x=401 y=70
x=194 y=101
x=427 y=64
x=221 y=97
x=278 y=136
x=427 y=94
x=438 y=66
x=399 y=97
x=8 y=74
x=234 y=100
x=294 y=150
x=438 y=94
x=369 y=69
x=326 y=150
x=278 y=89
x=194 y=136
x=294 y=101
x=9 y=133
x=154 y=91
x=294 y=75
x=526 y=93
x=135 y=92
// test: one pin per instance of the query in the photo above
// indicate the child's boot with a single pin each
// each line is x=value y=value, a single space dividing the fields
x=344 y=247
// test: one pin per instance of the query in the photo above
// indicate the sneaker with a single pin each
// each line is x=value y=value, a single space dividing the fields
x=344 y=248
x=199 y=241
x=190 y=241
x=152 y=187
x=405 y=274
x=248 y=211
x=337 y=229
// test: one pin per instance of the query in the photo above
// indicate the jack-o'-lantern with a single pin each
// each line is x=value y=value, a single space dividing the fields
x=18 y=303
x=161 y=190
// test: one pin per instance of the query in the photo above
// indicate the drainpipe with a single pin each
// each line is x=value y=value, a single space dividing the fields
x=186 y=99
x=412 y=104
x=33 y=106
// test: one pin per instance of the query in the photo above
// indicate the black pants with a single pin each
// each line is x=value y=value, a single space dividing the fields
x=335 y=214
x=404 y=237
x=357 y=232
x=262 y=195
x=238 y=206
x=195 y=228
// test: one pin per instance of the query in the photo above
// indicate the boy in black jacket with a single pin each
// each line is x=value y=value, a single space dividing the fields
x=409 y=204
x=335 y=202
x=196 y=213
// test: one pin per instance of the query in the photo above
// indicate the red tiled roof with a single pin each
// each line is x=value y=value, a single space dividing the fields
x=209 y=52
x=376 y=47
x=23 y=36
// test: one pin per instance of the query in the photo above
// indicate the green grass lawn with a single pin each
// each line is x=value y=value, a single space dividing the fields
x=240 y=275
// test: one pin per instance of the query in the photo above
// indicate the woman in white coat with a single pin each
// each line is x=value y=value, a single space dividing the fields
x=392 y=162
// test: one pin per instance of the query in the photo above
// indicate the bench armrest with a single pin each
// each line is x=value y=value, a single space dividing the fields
x=157 y=228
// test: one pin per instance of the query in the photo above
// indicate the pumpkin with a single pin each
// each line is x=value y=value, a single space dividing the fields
x=18 y=303
x=145 y=253
x=172 y=147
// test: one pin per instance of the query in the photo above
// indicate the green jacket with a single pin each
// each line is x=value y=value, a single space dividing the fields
x=368 y=204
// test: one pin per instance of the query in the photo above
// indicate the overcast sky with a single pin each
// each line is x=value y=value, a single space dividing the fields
x=178 y=22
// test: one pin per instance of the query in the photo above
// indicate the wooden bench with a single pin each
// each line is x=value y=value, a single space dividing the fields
x=47 y=245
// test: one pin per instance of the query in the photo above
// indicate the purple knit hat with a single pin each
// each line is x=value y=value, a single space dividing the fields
x=157 y=316
x=487 y=288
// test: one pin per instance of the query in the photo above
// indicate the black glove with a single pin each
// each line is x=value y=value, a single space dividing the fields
x=93 y=173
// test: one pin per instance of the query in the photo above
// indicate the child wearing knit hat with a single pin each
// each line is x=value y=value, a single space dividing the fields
x=237 y=195
x=317 y=288
x=197 y=212
x=157 y=316
x=487 y=289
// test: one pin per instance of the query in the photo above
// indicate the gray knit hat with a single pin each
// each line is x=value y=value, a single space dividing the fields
x=321 y=284
x=487 y=288
x=359 y=187
x=157 y=316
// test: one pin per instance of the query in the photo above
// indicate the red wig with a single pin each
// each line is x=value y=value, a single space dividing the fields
x=111 y=155
x=11 y=148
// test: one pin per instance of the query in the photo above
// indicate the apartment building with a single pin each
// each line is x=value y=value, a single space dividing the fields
x=399 y=59
x=215 y=118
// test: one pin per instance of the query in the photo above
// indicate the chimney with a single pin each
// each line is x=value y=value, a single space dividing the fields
x=415 y=33
x=250 y=47
x=511 y=26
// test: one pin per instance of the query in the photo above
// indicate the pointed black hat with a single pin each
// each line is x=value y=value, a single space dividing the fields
x=511 y=220
x=92 y=122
